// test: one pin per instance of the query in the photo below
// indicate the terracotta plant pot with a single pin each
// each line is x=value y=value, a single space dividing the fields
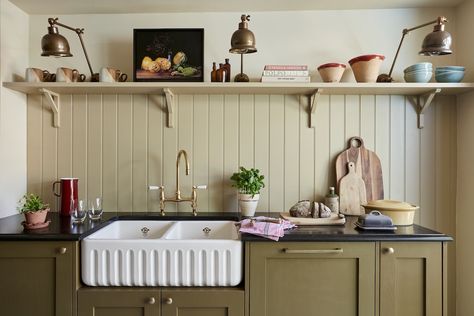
x=366 y=68
x=35 y=218
x=331 y=72
x=248 y=204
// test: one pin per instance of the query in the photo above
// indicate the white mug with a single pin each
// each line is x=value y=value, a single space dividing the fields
x=38 y=75
x=111 y=75
x=67 y=75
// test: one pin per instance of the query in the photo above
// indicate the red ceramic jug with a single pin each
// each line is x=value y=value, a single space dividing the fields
x=68 y=193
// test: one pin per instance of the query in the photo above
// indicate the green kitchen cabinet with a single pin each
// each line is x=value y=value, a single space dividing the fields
x=119 y=301
x=203 y=302
x=411 y=279
x=164 y=302
x=311 y=278
x=38 y=278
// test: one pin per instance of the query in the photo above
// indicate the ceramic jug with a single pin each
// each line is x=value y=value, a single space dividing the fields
x=68 y=192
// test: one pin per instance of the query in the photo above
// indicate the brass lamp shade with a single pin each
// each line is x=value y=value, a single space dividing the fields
x=54 y=44
x=243 y=40
x=437 y=42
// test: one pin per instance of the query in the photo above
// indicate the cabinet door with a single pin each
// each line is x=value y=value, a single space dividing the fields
x=308 y=279
x=119 y=302
x=203 y=302
x=37 y=278
x=411 y=279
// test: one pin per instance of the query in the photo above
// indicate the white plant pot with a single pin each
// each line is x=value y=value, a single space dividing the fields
x=248 y=204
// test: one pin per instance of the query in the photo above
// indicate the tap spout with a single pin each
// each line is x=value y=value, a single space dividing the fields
x=181 y=153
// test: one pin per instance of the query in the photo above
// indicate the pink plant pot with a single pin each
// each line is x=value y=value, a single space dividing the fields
x=331 y=72
x=34 y=218
x=366 y=68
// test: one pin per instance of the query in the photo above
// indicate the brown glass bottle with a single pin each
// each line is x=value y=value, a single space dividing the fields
x=227 y=70
x=221 y=73
x=214 y=73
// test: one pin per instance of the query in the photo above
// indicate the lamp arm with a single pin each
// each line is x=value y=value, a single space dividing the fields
x=398 y=51
x=440 y=20
x=85 y=53
x=79 y=33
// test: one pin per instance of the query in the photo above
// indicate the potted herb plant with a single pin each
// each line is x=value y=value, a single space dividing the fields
x=34 y=209
x=249 y=182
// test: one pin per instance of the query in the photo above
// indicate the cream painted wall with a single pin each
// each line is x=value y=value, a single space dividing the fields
x=14 y=35
x=464 y=203
x=306 y=37
x=465 y=170
x=465 y=44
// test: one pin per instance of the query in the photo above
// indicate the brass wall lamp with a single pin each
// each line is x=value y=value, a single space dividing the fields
x=54 y=44
x=436 y=43
x=242 y=42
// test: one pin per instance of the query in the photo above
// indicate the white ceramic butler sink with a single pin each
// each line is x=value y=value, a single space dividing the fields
x=163 y=253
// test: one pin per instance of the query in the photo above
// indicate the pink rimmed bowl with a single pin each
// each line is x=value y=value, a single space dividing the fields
x=366 y=67
x=331 y=72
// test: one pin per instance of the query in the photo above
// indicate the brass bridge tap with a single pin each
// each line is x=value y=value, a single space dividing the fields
x=177 y=198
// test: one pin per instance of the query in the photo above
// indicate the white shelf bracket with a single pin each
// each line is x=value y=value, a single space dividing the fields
x=169 y=106
x=313 y=103
x=422 y=103
x=52 y=98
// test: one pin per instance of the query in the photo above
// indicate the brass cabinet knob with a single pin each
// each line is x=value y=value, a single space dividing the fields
x=168 y=301
x=151 y=300
x=62 y=250
x=389 y=250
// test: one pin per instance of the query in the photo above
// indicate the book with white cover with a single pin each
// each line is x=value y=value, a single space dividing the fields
x=286 y=79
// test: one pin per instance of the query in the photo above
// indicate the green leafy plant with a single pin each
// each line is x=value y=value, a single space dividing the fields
x=248 y=181
x=31 y=203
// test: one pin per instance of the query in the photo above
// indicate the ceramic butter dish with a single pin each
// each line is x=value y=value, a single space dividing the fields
x=374 y=219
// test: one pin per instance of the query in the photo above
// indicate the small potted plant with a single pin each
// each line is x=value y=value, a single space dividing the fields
x=249 y=182
x=35 y=211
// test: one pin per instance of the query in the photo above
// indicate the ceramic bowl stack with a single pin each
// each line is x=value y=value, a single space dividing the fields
x=420 y=73
x=450 y=74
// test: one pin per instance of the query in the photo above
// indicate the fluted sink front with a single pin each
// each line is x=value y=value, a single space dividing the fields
x=163 y=253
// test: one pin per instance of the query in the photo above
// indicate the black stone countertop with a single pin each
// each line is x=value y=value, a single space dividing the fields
x=61 y=228
x=348 y=232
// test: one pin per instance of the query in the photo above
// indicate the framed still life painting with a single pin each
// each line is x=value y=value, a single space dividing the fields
x=168 y=55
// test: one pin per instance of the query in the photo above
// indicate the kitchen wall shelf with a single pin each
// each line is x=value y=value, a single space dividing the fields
x=422 y=93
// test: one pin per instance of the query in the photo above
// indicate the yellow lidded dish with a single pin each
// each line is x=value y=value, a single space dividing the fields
x=402 y=213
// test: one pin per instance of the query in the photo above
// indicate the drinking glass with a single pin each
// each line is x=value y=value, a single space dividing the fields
x=79 y=211
x=95 y=208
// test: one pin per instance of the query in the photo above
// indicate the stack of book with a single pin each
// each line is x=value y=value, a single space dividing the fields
x=286 y=73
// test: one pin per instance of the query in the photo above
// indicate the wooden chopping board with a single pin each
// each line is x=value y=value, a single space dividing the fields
x=367 y=165
x=352 y=193
x=334 y=219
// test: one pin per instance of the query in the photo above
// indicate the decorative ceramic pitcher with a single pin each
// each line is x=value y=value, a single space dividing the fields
x=68 y=192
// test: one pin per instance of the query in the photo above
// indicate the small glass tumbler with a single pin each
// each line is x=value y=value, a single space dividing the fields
x=95 y=209
x=79 y=211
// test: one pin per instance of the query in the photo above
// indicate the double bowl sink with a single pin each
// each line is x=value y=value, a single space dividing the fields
x=163 y=253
